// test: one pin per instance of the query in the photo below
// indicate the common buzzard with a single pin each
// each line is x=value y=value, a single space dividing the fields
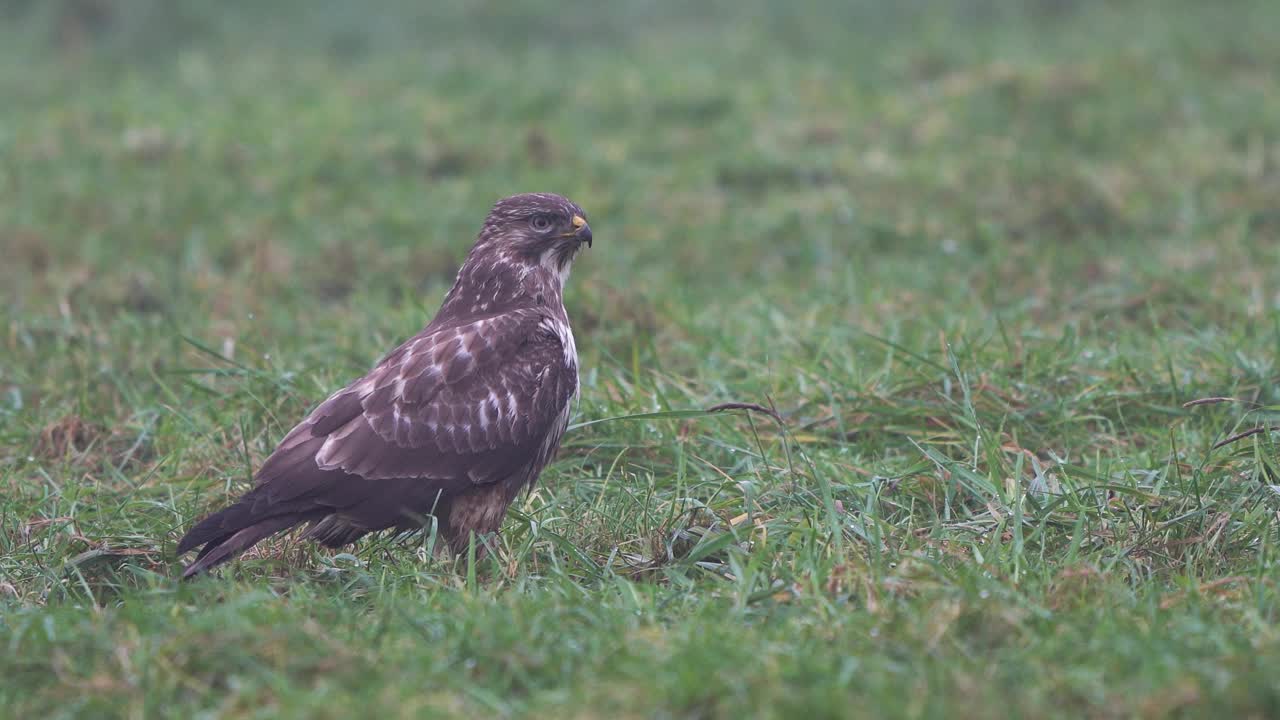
x=452 y=424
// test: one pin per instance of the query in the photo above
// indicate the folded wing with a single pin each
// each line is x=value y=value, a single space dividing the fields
x=471 y=403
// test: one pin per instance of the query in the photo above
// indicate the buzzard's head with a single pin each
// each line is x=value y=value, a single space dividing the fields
x=536 y=228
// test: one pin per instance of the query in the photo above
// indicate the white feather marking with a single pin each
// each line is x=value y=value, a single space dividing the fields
x=565 y=335
x=490 y=410
x=550 y=262
x=330 y=446
x=557 y=432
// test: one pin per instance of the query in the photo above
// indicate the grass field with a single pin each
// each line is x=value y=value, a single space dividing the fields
x=980 y=256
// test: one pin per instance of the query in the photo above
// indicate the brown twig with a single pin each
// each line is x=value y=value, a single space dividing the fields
x=1243 y=435
x=751 y=407
x=1207 y=401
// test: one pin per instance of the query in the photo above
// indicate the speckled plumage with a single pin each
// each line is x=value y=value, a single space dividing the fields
x=451 y=424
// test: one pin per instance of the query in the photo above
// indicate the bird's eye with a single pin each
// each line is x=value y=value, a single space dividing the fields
x=541 y=223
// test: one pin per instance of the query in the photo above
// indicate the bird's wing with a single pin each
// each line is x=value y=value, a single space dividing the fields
x=472 y=402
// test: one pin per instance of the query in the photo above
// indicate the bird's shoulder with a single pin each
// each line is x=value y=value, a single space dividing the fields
x=453 y=348
x=520 y=363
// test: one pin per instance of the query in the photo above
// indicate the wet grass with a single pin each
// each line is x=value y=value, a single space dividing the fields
x=1008 y=274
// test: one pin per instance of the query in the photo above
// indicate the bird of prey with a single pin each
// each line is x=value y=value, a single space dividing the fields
x=452 y=424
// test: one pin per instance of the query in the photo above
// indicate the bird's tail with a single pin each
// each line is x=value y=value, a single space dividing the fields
x=228 y=533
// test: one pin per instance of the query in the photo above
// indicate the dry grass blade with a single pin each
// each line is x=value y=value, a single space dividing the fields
x=1242 y=435
x=750 y=407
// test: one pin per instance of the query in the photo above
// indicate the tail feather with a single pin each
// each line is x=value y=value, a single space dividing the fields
x=334 y=532
x=221 y=549
x=339 y=507
x=218 y=527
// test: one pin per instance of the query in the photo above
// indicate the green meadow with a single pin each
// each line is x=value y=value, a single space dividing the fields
x=1008 y=273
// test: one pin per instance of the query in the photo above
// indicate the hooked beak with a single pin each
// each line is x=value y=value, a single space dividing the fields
x=582 y=230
